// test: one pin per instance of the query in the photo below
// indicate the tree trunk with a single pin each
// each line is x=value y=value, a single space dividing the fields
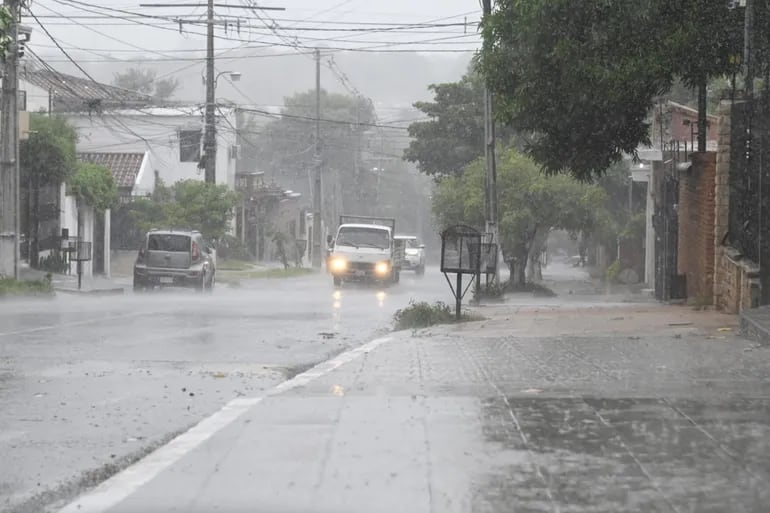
x=534 y=269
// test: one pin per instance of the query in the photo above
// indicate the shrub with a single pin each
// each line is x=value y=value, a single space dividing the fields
x=12 y=287
x=423 y=314
x=613 y=272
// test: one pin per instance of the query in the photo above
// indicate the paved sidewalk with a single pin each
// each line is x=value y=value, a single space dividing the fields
x=607 y=409
x=68 y=283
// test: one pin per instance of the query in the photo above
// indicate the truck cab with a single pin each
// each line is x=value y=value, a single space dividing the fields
x=364 y=251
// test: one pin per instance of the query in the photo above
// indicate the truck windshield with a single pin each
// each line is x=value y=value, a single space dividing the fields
x=363 y=237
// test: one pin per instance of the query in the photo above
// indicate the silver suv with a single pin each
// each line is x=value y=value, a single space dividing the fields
x=175 y=258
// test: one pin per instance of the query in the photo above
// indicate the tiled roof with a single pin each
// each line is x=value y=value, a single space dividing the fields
x=72 y=93
x=124 y=166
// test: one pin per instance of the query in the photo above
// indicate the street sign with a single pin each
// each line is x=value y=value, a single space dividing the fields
x=460 y=250
x=460 y=254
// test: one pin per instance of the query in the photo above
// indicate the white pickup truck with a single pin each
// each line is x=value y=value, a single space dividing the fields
x=364 y=250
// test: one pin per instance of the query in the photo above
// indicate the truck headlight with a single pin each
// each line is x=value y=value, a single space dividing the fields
x=339 y=264
x=382 y=268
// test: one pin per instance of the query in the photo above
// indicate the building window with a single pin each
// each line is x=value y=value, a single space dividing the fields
x=189 y=145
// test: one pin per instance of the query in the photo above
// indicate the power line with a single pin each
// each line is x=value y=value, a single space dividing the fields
x=323 y=120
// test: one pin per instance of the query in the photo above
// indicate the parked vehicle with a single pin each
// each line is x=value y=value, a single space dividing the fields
x=364 y=250
x=175 y=258
x=414 y=254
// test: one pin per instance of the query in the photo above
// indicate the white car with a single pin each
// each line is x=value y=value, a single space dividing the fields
x=414 y=258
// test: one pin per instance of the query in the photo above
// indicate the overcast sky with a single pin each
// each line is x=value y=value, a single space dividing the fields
x=374 y=42
x=101 y=27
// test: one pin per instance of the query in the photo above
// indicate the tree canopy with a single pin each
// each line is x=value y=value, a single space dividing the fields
x=48 y=155
x=186 y=204
x=453 y=137
x=145 y=81
x=94 y=185
x=5 y=23
x=582 y=77
x=531 y=204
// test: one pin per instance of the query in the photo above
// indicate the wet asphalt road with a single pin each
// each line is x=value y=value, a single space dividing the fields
x=88 y=385
x=550 y=405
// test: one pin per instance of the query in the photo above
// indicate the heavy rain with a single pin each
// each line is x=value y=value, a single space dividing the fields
x=345 y=256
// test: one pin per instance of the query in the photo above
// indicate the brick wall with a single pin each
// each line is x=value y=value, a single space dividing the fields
x=736 y=279
x=696 y=226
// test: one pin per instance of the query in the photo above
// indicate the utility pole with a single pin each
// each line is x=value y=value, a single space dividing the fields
x=317 y=163
x=210 y=134
x=9 y=151
x=210 y=137
x=490 y=182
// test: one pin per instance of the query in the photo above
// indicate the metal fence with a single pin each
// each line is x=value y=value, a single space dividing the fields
x=749 y=215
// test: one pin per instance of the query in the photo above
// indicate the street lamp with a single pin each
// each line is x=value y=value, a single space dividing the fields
x=235 y=76
x=210 y=138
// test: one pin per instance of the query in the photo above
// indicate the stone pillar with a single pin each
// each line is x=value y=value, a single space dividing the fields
x=649 y=245
x=723 y=271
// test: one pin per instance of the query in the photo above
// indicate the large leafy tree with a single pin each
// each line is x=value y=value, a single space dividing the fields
x=453 y=136
x=189 y=204
x=94 y=185
x=531 y=205
x=46 y=159
x=6 y=21
x=145 y=81
x=285 y=148
x=583 y=76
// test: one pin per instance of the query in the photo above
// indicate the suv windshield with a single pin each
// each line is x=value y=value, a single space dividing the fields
x=168 y=242
x=367 y=237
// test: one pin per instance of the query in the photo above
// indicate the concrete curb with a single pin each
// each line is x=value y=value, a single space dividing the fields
x=753 y=330
x=91 y=292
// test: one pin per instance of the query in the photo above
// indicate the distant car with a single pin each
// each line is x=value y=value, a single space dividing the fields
x=414 y=258
x=175 y=258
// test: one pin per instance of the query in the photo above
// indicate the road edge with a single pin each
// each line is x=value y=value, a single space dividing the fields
x=123 y=484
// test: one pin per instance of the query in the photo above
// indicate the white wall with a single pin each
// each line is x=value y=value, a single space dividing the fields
x=37 y=97
x=156 y=131
x=145 y=180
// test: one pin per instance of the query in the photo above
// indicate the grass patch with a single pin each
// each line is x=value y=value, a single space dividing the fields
x=10 y=287
x=235 y=265
x=423 y=314
x=236 y=276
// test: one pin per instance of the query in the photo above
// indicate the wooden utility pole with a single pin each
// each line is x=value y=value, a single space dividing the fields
x=210 y=133
x=490 y=182
x=210 y=127
x=317 y=165
x=9 y=151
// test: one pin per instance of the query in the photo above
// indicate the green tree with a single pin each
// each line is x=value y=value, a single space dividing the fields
x=145 y=81
x=201 y=206
x=46 y=159
x=285 y=147
x=6 y=21
x=165 y=89
x=136 y=79
x=583 y=77
x=531 y=205
x=94 y=185
x=453 y=137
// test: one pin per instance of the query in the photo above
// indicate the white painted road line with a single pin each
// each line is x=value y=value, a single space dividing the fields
x=121 y=485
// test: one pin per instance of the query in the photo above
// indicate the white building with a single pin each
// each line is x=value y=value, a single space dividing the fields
x=139 y=143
